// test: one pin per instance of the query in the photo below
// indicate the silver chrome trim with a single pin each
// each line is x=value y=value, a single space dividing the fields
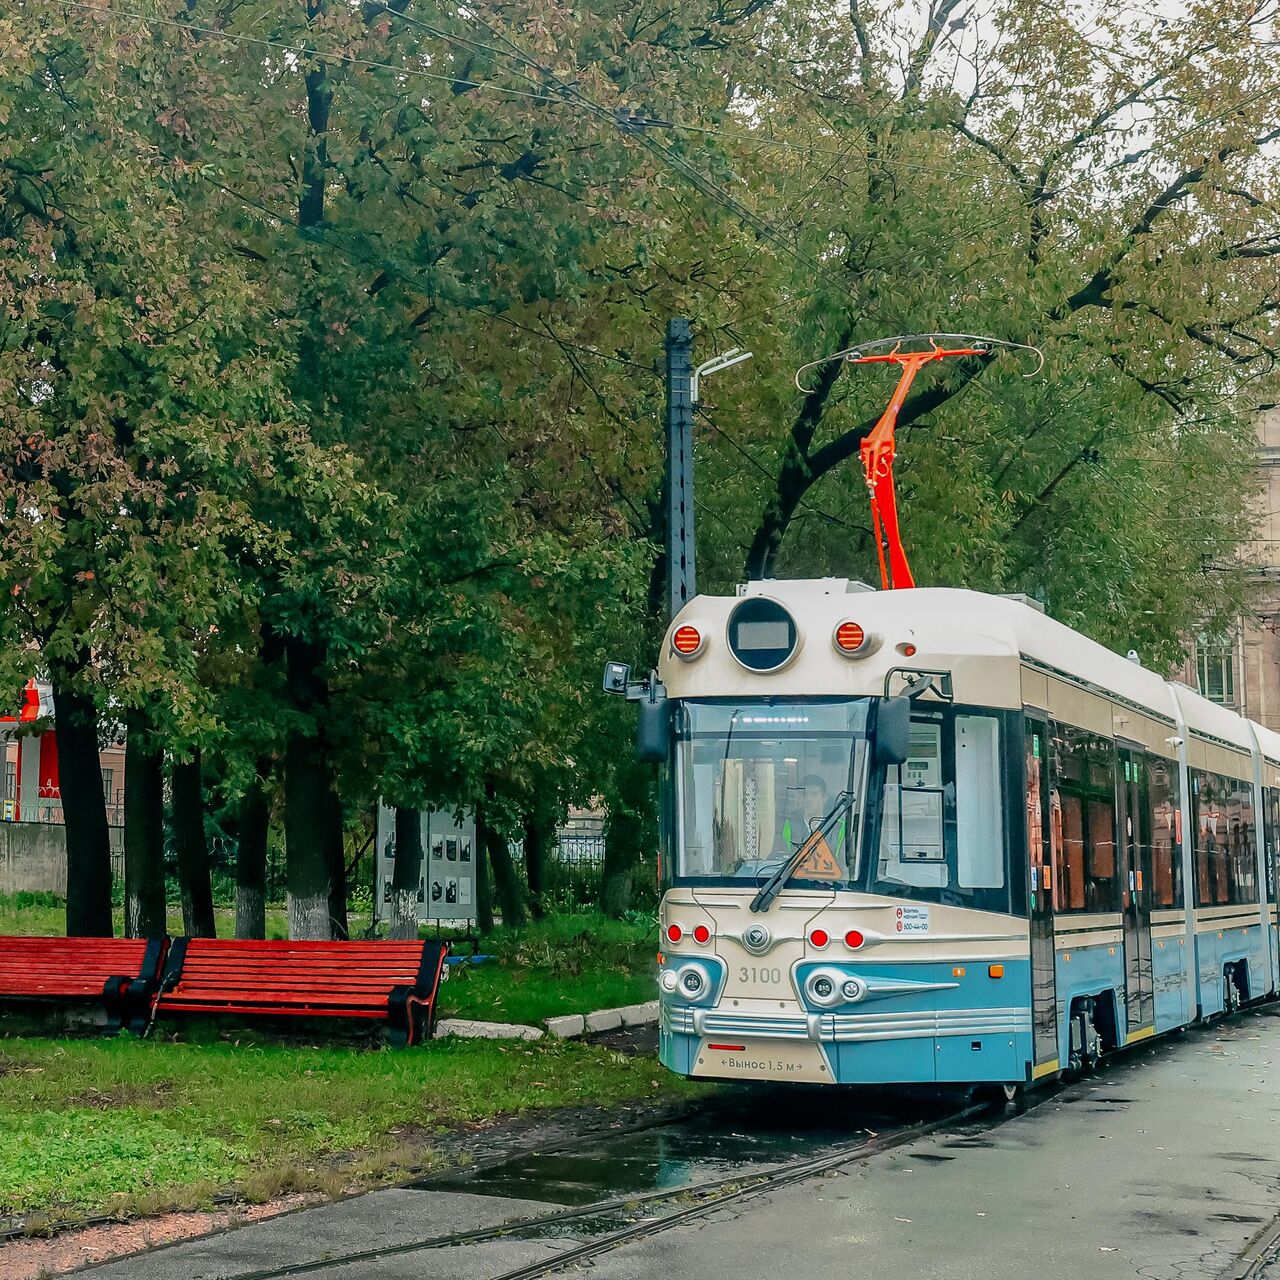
x=845 y=1028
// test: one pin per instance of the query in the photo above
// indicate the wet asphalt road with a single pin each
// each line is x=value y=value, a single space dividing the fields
x=1164 y=1166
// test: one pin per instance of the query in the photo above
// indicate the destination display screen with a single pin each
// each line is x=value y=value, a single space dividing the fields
x=762 y=634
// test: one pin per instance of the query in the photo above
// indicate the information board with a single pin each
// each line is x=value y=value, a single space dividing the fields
x=447 y=884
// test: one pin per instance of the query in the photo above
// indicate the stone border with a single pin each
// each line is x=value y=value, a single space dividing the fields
x=577 y=1024
x=570 y=1027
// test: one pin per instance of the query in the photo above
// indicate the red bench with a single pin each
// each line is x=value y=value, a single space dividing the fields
x=395 y=982
x=114 y=972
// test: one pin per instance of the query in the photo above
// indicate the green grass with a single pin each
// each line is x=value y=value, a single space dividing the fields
x=566 y=964
x=44 y=915
x=126 y=1125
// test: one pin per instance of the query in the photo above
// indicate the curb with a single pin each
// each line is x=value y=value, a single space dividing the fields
x=570 y=1027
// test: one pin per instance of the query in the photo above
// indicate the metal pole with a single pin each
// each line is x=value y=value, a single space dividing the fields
x=681 y=565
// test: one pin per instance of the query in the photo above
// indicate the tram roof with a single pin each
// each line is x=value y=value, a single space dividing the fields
x=974 y=635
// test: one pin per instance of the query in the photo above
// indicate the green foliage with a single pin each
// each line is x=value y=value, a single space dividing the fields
x=325 y=353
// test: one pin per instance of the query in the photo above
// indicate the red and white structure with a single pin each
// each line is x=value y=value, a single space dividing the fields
x=29 y=788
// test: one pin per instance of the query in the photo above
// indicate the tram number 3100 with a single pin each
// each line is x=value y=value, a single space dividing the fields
x=749 y=973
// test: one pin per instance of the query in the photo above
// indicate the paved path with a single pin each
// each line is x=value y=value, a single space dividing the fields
x=1163 y=1167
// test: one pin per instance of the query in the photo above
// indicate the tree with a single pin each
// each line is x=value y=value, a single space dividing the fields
x=1044 y=178
x=144 y=889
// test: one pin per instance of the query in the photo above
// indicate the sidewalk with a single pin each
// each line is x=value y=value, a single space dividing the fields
x=1165 y=1166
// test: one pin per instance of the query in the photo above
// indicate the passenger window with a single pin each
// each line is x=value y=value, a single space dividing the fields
x=1166 y=834
x=1082 y=822
x=911 y=832
x=1226 y=836
x=942 y=817
x=979 y=847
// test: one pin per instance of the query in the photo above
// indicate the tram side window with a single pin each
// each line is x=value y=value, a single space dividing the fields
x=1226 y=840
x=1271 y=825
x=943 y=815
x=1082 y=822
x=1166 y=833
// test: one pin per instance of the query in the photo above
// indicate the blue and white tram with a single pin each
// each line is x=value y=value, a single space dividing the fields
x=933 y=835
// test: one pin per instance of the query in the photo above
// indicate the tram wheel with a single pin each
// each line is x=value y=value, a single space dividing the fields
x=1001 y=1095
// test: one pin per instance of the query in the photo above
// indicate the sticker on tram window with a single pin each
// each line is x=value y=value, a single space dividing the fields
x=912 y=920
x=1035 y=745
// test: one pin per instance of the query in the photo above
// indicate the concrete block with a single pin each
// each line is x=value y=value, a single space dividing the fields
x=604 y=1020
x=566 y=1028
x=638 y=1015
x=470 y=1030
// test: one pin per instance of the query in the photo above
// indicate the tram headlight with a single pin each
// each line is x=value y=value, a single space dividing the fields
x=668 y=981
x=691 y=982
x=853 y=989
x=825 y=987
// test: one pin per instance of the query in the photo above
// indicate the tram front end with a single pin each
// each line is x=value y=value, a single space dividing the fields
x=842 y=903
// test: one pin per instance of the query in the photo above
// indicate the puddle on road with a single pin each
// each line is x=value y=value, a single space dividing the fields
x=758 y=1130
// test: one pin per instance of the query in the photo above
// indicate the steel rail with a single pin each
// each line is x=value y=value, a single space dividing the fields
x=714 y=1194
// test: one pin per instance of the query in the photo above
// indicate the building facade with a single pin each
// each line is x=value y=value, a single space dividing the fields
x=1242 y=671
x=30 y=785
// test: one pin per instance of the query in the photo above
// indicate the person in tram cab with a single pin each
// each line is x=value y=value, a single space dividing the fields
x=803 y=816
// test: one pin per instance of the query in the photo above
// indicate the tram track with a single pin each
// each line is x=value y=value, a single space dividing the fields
x=707 y=1197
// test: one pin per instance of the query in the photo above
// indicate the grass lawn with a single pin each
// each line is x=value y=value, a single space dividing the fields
x=129 y=1126
x=49 y=918
x=565 y=964
x=126 y=1125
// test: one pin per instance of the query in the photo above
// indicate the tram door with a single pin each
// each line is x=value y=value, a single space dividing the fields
x=1134 y=822
x=1044 y=1001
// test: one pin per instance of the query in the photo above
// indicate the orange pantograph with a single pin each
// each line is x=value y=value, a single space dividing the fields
x=877 y=458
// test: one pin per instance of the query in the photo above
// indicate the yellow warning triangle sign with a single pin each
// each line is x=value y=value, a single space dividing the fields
x=818 y=863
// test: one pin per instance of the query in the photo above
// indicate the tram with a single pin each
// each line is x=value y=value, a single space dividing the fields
x=934 y=835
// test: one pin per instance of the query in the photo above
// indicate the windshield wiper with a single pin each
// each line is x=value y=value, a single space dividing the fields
x=773 y=885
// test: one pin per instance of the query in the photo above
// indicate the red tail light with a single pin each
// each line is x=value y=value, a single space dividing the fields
x=687 y=641
x=853 y=939
x=701 y=934
x=819 y=937
x=674 y=933
x=850 y=637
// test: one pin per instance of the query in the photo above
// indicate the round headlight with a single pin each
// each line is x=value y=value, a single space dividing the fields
x=668 y=980
x=692 y=982
x=823 y=987
x=854 y=989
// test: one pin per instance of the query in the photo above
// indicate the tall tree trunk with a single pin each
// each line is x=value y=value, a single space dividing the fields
x=309 y=811
x=539 y=839
x=406 y=873
x=192 y=849
x=251 y=855
x=628 y=831
x=84 y=810
x=484 y=884
x=337 y=859
x=144 y=900
x=506 y=884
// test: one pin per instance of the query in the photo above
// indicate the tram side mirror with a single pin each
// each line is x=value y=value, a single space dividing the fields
x=893 y=731
x=653 y=730
x=616 y=676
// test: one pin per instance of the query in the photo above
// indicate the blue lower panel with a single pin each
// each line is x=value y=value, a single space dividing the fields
x=1213 y=953
x=1170 y=983
x=677 y=1052
x=1088 y=971
x=947 y=1022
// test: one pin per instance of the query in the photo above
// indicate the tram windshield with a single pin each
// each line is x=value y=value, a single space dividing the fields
x=756 y=779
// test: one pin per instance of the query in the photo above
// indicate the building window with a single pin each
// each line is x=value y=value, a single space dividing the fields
x=10 y=780
x=1216 y=671
x=108 y=785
